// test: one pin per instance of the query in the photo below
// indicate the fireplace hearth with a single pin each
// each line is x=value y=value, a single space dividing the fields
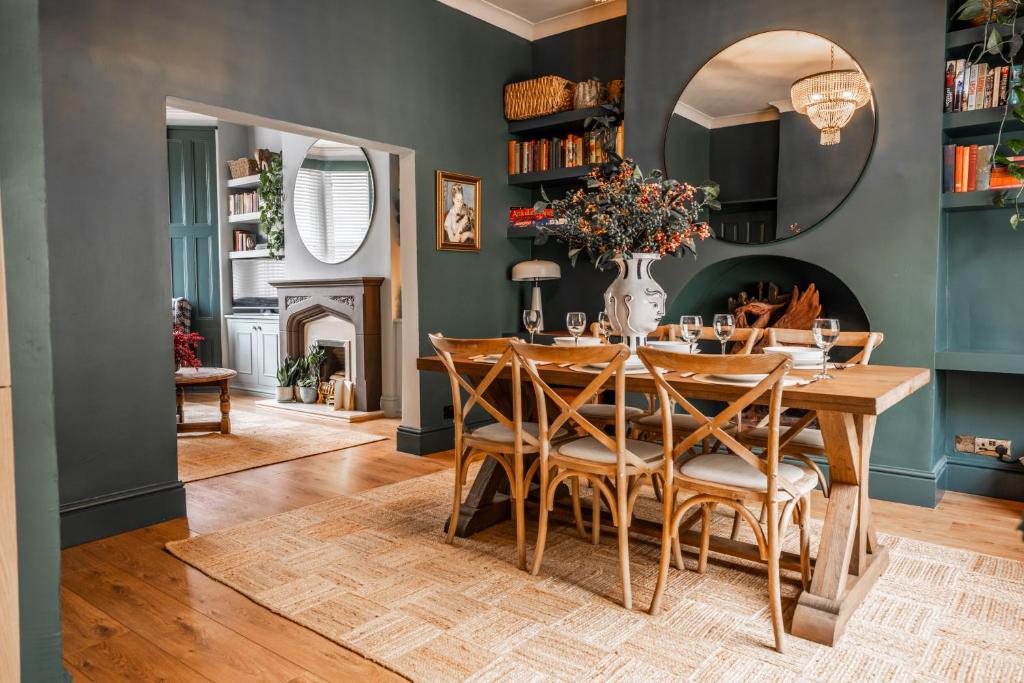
x=356 y=302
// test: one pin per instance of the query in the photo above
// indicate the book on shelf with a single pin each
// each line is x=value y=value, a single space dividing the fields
x=1001 y=178
x=527 y=217
x=243 y=202
x=570 y=151
x=969 y=87
x=970 y=168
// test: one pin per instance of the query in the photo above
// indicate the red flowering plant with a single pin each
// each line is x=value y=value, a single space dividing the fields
x=185 y=346
x=623 y=212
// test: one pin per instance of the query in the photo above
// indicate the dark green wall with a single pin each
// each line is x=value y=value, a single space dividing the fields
x=594 y=51
x=687 y=150
x=411 y=73
x=883 y=241
x=23 y=195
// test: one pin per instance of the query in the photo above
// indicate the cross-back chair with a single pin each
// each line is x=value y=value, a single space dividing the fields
x=800 y=441
x=506 y=440
x=734 y=479
x=613 y=465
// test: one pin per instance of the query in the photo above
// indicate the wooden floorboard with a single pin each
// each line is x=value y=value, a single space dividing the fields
x=133 y=612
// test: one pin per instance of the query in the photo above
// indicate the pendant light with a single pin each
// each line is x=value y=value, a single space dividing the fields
x=829 y=98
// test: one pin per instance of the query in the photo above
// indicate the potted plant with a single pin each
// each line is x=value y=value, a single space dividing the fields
x=185 y=346
x=286 y=380
x=309 y=379
x=307 y=387
x=632 y=220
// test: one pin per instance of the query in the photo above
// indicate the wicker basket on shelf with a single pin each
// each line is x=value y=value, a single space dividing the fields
x=243 y=167
x=537 y=97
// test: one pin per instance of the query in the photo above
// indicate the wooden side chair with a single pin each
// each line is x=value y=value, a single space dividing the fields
x=614 y=466
x=506 y=440
x=734 y=479
x=799 y=441
x=649 y=426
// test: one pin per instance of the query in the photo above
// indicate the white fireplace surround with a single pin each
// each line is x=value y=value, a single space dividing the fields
x=331 y=327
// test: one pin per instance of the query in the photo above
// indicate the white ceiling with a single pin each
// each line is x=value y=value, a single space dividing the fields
x=535 y=19
x=741 y=82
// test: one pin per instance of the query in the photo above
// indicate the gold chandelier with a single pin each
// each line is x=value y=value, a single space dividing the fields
x=829 y=98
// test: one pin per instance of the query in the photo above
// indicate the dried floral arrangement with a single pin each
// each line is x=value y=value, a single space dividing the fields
x=185 y=346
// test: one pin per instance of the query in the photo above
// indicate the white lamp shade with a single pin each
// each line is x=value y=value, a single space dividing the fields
x=535 y=269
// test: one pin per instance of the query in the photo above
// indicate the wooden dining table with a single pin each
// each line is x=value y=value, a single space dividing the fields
x=849 y=558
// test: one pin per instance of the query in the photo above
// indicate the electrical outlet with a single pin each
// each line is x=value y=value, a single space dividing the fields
x=987 y=446
x=965 y=443
x=448 y=413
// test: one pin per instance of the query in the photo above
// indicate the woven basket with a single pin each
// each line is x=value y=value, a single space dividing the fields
x=243 y=167
x=537 y=97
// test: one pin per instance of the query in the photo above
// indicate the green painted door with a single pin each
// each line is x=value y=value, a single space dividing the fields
x=195 y=265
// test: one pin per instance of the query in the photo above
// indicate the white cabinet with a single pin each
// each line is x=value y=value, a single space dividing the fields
x=253 y=351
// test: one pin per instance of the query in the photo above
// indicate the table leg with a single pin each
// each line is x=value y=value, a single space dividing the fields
x=225 y=408
x=849 y=559
x=179 y=393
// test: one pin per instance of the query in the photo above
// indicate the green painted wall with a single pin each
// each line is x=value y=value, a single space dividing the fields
x=23 y=195
x=409 y=72
x=883 y=242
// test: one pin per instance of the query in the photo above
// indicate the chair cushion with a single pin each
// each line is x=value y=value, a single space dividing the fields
x=589 y=448
x=681 y=422
x=732 y=470
x=606 y=411
x=501 y=434
x=808 y=437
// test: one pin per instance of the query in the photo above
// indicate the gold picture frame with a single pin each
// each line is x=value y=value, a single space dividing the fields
x=458 y=212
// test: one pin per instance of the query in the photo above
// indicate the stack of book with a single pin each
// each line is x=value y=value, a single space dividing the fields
x=528 y=217
x=971 y=168
x=548 y=154
x=243 y=202
x=979 y=86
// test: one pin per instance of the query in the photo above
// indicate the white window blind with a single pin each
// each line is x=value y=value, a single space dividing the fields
x=336 y=204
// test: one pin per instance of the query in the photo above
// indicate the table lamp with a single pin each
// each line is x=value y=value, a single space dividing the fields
x=534 y=271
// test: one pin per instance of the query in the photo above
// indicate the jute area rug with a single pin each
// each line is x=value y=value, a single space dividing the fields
x=258 y=437
x=371 y=572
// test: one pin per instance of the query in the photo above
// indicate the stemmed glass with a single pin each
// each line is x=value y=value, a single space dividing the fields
x=724 y=325
x=604 y=323
x=531 y=319
x=689 y=329
x=576 y=322
x=826 y=332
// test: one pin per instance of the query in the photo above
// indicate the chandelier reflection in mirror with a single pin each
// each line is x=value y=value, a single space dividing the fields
x=829 y=98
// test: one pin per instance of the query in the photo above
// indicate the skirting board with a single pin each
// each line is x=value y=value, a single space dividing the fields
x=88 y=520
x=923 y=488
x=322 y=410
x=979 y=480
x=424 y=441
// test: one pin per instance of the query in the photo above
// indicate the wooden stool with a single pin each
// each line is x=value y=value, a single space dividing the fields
x=200 y=377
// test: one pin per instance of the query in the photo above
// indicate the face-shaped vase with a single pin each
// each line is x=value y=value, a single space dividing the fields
x=634 y=301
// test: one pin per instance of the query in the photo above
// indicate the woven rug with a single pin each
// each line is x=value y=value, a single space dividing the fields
x=371 y=572
x=257 y=438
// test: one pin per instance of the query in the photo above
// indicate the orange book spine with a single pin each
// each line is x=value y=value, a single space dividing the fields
x=511 y=157
x=972 y=169
x=958 y=177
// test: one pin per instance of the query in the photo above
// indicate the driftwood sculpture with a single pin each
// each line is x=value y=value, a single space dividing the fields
x=796 y=310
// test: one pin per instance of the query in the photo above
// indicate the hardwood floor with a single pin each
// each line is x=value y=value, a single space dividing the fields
x=132 y=612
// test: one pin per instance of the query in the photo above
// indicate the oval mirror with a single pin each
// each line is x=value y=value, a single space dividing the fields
x=333 y=200
x=784 y=122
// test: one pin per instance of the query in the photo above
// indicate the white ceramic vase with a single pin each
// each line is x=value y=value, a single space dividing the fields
x=285 y=394
x=634 y=301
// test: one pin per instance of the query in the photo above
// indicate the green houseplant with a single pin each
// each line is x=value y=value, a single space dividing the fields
x=271 y=193
x=286 y=380
x=309 y=375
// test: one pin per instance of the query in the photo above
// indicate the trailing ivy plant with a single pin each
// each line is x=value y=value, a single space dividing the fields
x=1004 y=40
x=271 y=192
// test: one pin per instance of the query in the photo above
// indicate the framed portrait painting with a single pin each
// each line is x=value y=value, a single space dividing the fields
x=458 y=212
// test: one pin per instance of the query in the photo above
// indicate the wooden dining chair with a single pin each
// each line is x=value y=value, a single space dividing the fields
x=800 y=441
x=614 y=466
x=648 y=426
x=506 y=440
x=734 y=479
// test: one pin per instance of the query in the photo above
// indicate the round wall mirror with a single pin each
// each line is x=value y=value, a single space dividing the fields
x=784 y=122
x=333 y=199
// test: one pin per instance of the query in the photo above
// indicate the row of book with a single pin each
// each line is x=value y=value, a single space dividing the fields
x=243 y=202
x=979 y=86
x=972 y=168
x=547 y=154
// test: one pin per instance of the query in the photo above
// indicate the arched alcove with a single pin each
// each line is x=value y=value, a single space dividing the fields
x=709 y=291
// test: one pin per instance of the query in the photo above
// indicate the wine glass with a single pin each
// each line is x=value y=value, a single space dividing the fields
x=826 y=332
x=689 y=329
x=724 y=325
x=576 y=322
x=531 y=319
x=604 y=324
